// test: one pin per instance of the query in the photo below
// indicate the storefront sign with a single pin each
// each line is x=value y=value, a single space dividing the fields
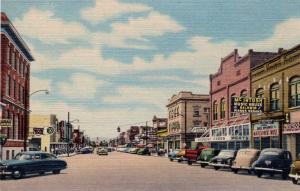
x=291 y=128
x=266 y=130
x=5 y=123
x=247 y=105
x=38 y=131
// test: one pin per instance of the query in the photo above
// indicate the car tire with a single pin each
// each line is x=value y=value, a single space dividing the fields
x=294 y=181
x=284 y=176
x=258 y=174
x=41 y=173
x=249 y=171
x=202 y=165
x=216 y=167
x=17 y=173
x=190 y=162
x=235 y=171
x=171 y=159
x=56 y=171
x=2 y=177
x=179 y=161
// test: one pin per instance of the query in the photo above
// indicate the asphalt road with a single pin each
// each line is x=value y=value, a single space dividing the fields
x=127 y=172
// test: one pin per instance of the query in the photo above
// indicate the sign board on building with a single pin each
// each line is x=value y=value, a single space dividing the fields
x=267 y=130
x=291 y=128
x=38 y=131
x=247 y=105
x=199 y=129
x=50 y=130
x=5 y=123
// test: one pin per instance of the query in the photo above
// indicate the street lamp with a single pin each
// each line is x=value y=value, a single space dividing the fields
x=27 y=116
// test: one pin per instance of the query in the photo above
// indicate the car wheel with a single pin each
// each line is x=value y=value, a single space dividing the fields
x=258 y=174
x=216 y=167
x=235 y=171
x=2 y=176
x=56 y=171
x=271 y=174
x=284 y=176
x=17 y=174
x=190 y=162
x=179 y=160
x=249 y=172
x=41 y=173
x=202 y=165
x=294 y=181
x=171 y=159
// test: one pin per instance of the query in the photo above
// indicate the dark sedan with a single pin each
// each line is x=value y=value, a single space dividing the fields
x=143 y=151
x=31 y=162
x=224 y=159
x=273 y=161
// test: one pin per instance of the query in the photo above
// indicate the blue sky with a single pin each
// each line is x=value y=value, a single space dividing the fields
x=112 y=62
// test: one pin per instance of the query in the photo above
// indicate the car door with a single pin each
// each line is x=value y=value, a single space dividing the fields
x=46 y=162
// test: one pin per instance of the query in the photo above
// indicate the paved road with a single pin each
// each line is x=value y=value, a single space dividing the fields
x=126 y=172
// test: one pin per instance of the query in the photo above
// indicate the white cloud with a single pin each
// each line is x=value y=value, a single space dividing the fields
x=39 y=83
x=107 y=9
x=43 y=25
x=82 y=86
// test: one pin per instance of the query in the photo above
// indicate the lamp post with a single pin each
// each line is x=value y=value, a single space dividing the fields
x=68 y=132
x=26 y=127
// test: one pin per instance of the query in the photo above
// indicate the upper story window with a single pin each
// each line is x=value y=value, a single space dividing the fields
x=196 y=123
x=232 y=114
x=222 y=108
x=215 y=110
x=196 y=111
x=219 y=83
x=294 y=87
x=238 y=72
x=259 y=93
x=244 y=93
x=8 y=85
x=274 y=97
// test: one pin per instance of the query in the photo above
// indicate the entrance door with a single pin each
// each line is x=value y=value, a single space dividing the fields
x=297 y=144
x=265 y=142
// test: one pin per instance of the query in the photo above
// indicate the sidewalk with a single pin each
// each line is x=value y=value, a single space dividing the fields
x=66 y=155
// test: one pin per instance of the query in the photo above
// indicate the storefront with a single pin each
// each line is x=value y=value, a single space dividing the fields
x=266 y=135
x=229 y=137
x=291 y=134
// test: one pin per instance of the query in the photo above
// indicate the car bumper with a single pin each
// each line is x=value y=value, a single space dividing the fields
x=220 y=165
x=241 y=167
x=4 y=172
x=202 y=162
x=268 y=169
x=295 y=176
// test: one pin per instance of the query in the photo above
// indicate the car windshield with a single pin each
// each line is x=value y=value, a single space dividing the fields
x=271 y=153
x=21 y=156
x=226 y=154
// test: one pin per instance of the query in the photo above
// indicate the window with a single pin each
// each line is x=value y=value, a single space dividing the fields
x=222 y=108
x=294 y=90
x=8 y=85
x=215 y=110
x=13 y=62
x=17 y=63
x=219 y=83
x=238 y=72
x=196 y=112
x=274 y=98
x=205 y=110
x=196 y=123
x=232 y=114
x=259 y=93
x=244 y=93
x=14 y=89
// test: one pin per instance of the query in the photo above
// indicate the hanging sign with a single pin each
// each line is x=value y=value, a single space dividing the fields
x=247 y=105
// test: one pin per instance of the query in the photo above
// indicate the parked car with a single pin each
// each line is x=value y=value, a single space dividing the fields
x=173 y=155
x=295 y=171
x=109 y=149
x=102 y=151
x=127 y=150
x=244 y=160
x=224 y=159
x=206 y=155
x=273 y=161
x=31 y=162
x=180 y=156
x=192 y=155
x=86 y=150
x=134 y=150
x=143 y=151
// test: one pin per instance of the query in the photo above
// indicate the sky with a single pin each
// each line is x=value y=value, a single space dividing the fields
x=112 y=63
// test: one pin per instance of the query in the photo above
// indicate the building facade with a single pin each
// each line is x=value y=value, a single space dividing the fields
x=230 y=130
x=15 y=87
x=160 y=126
x=186 y=111
x=278 y=82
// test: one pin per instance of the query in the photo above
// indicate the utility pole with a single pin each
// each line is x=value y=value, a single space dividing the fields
x=146 y=132
x=68 y=134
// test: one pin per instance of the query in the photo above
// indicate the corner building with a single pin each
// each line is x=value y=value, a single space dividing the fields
x=232 y=130
x=15 y=87
x=278 y=82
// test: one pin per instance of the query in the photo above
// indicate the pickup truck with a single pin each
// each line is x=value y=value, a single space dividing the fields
x=193 y=155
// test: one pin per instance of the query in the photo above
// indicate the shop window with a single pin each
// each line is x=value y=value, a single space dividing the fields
x=274 y=142
x=294 y=90
x=196 y=123
x=222 y=108
x=215 y=110
x=274 y=97
x=232 y=114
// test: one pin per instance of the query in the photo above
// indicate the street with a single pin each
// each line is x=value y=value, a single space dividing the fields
x=121 y=171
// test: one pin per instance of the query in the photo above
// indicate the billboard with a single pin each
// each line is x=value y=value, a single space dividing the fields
x=247 y=105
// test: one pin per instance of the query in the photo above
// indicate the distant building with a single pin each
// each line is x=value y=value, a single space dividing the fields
x=231 y=130
x=186 y=111
x=160 y=126
x=15 y=87
x=278 y=82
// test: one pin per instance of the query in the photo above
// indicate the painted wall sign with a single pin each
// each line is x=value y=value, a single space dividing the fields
x=247 y=105
x=266 y=130
x=38 y=131
x=291 y=128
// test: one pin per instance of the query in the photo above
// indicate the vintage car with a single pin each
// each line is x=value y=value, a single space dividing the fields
x=102 y=151
x=273 y=161
x=180 y=156
x=193 y=155
x=86 y=150
x=206 y=155
x=31 y=162
x=244 y=160
x=134 y=150
x=224 y=159
x=295 y=170
x=143 y=151
x=172 y=155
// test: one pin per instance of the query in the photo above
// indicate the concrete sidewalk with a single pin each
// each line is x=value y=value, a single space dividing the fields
x=66 y=155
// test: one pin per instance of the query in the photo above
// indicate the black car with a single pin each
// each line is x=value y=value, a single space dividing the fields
x=224 y=159
x=143 y=151
x=273 y=161
x=31 y=162
x=86 y=150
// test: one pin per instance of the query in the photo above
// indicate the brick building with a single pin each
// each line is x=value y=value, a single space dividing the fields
x=160 y=126
x=231 y=130
x=186 y=111
x=15 y=87
x=278 y=82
